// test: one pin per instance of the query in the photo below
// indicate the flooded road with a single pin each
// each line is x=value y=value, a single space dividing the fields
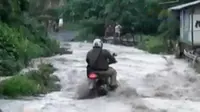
x=148 y=83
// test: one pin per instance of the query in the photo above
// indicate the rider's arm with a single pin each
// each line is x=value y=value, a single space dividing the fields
x=110 y=57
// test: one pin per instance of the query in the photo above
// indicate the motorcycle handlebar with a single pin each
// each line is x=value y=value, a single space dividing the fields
x=114 y=54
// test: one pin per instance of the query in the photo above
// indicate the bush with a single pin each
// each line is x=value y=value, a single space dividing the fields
x=31 y=83
x=71 y=26
x=152 y=44
x=90 y=28
x=50 y=47
x=44 y=78
x=19 y=85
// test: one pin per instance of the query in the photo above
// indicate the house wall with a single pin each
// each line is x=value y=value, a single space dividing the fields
x=196 y=25
x=186 y=25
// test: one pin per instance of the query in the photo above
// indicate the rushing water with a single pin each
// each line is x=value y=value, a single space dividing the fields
x=148 y=83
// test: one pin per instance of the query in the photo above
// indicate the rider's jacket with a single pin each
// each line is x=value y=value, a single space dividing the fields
x=99 y=59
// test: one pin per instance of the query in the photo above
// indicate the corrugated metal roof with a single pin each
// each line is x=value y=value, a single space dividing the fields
x=179 y=7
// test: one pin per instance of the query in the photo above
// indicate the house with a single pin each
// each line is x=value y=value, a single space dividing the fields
x=189 y=15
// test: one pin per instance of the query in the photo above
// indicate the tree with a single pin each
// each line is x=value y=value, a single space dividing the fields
x=140 y=14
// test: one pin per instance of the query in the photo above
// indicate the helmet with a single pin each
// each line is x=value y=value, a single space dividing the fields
x=97 y=43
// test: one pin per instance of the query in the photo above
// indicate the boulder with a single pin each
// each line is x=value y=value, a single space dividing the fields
x=65 y=51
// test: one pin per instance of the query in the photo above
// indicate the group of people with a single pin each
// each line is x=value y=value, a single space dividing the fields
x=113 y=31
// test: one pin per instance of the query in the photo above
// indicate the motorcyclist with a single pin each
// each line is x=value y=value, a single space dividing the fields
x=98 y=60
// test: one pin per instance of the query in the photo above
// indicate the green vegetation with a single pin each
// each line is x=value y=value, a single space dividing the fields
x=71 y=26
x=143 y=17
x=22 y=37
x=31 y=83
x=152 y=44
x=16 y=49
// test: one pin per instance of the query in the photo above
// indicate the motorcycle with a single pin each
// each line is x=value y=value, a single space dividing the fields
x=99 y=84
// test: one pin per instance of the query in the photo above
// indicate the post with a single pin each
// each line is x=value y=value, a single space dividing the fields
x=192 y=32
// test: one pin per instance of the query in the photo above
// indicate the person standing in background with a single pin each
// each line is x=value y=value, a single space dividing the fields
x=118 y=30
x=108 y=31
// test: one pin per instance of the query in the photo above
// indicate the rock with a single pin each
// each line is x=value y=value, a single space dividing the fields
x=72 y=40
x=66 y=44
x=65 y=51
x=54 y=87
x=54 y=78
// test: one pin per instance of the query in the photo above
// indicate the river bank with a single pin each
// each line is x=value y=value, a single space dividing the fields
x=30 y=83
x=36 y=79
